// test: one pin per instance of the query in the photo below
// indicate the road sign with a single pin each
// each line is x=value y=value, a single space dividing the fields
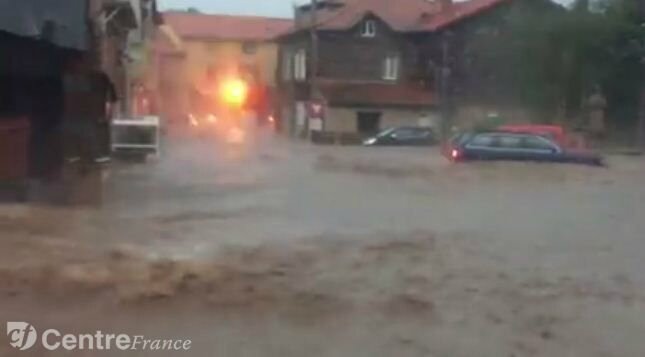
x=316 y=109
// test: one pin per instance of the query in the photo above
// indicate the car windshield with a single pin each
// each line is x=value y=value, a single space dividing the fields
x=322 y=178
x=386 y=132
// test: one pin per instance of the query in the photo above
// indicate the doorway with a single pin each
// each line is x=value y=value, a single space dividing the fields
x=368 y=122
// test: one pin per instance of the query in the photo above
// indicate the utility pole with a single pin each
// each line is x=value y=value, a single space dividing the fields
x=444 y=88
x=641 y=108
x=313 y=69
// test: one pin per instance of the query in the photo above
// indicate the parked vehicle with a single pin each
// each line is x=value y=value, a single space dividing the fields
x=502 y=145
x=403 y=136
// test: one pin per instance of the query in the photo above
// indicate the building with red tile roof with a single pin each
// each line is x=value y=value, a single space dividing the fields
x=226 y=27
x=194 y=50
x=384 y=58
x=402 y=15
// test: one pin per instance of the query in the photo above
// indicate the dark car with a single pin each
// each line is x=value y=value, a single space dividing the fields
x=514 y=146
x=403 y=136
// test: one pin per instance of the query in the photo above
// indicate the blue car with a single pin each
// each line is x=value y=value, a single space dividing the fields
x=497 y=145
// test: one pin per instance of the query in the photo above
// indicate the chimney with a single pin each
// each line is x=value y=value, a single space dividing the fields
x=302 y=15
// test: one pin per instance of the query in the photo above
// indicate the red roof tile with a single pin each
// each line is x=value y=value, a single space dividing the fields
x=379 y=94
x=226 y=27
x=404 y=15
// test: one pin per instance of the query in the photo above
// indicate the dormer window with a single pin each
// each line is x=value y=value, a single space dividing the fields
x=368 y=29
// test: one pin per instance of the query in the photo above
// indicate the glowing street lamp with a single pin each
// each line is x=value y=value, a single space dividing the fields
x=234 y=92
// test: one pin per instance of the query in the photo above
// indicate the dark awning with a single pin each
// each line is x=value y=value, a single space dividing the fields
x=63 y=23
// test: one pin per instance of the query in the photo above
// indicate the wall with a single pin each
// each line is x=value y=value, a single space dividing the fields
x=347 y=55
x=227 y=55
x=172 y=86
x=181 y=72
x=344 y=119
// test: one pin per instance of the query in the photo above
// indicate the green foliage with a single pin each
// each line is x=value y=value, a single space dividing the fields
x=552 y=58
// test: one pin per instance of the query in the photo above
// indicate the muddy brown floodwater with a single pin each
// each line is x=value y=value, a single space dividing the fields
x=285 y=249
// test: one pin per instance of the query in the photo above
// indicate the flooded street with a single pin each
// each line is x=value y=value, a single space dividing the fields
x=288 y=249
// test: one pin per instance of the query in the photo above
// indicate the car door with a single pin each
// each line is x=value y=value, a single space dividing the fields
x=509 y=147
x=403 y=136
x=425 y=136
x=481 y=147
x=539 y=148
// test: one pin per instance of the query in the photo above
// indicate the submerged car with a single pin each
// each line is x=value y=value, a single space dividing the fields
x=500 y=145
x=403 y=136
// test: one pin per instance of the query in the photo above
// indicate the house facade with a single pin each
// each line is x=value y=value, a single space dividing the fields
x=193 y=50
x=36 y=40
x=372 y=64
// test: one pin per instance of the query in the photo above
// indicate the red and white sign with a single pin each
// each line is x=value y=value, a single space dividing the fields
x=316 y=109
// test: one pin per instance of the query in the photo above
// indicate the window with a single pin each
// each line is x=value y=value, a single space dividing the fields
x=537 y=143
x=300 y=65
x=368 y=29
x=460 y=139
x=412 y=133
x=249 y=48
x=510 y=142
x=405 y=133
x=482 y=140
x=391 y=68
x=287 y=66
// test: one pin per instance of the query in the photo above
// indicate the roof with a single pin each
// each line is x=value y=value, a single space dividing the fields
x=375 y=94
x=225 y=27
x=406 y=16
x=457 y=12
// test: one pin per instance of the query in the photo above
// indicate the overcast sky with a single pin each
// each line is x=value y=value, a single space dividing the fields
x=277 y=8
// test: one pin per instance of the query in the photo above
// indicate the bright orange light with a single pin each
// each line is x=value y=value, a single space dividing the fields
x=193 y=120
x=234 y=91
x=211 y=118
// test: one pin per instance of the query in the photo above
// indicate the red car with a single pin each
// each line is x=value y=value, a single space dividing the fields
x=552 y=132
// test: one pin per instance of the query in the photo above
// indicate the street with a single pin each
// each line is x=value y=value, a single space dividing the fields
x=289 y=249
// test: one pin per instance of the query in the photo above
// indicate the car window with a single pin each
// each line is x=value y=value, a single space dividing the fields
x=510 y=141
x=386 y=132
x=482 y=140
x=537 y=143
x=411 y=133
x=403 y=133
x=460 y=139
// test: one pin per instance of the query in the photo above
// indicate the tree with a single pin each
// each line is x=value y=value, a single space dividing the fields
x=553 y=59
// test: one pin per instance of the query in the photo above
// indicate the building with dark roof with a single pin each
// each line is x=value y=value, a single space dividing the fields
x=379 y=63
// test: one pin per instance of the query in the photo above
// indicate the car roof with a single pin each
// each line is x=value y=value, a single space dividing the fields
x=502 y=132
x=412 y=127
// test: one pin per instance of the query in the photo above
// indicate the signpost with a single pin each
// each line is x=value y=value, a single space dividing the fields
x=316 y=115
